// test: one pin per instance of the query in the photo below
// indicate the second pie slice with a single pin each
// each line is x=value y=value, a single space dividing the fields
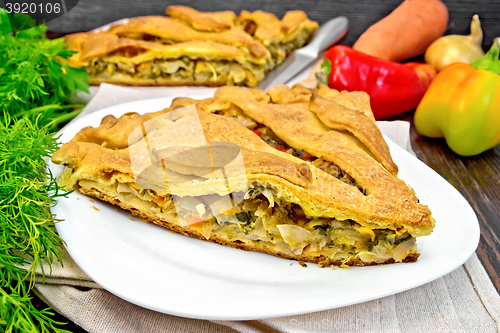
x=191 y=48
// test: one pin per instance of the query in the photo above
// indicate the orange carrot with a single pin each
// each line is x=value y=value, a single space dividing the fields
x=406 y=32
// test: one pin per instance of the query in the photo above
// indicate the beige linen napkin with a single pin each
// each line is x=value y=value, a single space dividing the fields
x=462 y=301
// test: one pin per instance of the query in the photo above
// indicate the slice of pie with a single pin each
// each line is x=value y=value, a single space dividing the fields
x=281 y=37
x=297 y=173
x=191 y=48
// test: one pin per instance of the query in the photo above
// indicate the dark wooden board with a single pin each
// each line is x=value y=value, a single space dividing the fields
x=90 y=14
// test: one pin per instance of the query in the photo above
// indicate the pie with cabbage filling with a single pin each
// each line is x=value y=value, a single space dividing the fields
x=191 y=47
x=319 y=183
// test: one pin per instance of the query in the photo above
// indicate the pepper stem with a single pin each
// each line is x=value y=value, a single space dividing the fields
x=323 y=75
x=490 y=60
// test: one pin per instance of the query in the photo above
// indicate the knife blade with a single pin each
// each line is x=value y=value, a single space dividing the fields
x=327 y=35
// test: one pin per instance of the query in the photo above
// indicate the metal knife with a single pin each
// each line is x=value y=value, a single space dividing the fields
x=327 y=35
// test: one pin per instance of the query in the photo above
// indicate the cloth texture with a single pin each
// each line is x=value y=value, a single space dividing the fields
x=465 y=300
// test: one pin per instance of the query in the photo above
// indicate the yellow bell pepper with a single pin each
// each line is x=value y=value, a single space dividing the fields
x=462 y=105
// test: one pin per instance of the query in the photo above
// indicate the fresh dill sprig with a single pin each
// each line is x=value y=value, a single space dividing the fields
x=35 y=81
x=27 y=234
x=19 y=314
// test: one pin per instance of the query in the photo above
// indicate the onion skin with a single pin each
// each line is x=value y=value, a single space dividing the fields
x=455 y=48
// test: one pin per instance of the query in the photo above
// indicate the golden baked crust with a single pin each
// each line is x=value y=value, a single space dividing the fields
x=97 y=162
x=271 y=29
x=174 y=30
x=188 y=48
x=216 y=21
x=94 y=45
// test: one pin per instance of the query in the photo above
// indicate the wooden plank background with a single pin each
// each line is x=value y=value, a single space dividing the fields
x=90 y=14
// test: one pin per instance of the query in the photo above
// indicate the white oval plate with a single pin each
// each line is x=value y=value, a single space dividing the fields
x=167 y=272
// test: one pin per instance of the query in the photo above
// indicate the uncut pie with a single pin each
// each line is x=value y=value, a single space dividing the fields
x=191 y=48
x=318 y=183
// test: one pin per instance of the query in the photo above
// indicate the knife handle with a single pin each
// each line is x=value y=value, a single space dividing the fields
x=328 y=34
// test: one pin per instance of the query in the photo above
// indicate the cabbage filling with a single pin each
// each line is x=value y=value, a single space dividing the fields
x=281 y=48
x=283 y=225
x=198 y=70
x=264 y=218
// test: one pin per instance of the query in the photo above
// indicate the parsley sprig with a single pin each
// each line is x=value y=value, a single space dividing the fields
x=35 y=81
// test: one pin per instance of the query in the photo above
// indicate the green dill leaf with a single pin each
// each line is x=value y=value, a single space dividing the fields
x=27 y=234
x=19 y=314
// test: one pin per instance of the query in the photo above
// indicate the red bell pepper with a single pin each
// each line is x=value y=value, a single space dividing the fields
x=394 y=88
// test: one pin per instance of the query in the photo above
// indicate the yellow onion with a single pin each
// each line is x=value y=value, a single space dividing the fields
x=455 y=48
